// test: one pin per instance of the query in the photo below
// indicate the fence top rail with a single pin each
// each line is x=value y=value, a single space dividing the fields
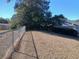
x=5 y=31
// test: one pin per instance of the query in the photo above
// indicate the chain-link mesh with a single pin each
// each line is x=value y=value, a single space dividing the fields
x=7 y=39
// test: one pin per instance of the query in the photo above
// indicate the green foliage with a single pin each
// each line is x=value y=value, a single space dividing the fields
x=2 y=20
x=34 y=13
x=58 y=20
x=15 y=24
x=31 y=12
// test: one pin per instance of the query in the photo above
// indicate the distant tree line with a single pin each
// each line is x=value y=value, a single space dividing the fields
x=2 y=20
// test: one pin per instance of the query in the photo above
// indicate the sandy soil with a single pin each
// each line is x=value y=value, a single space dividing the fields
x=6 y=41
x=26 y=50
x=55 y=47
x=48 y=47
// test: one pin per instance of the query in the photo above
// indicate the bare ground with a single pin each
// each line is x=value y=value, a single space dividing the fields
x=48 y=47
x=26 y=50
x=6 y=40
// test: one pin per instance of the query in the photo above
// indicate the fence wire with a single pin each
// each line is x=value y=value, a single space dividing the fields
x=7 y=39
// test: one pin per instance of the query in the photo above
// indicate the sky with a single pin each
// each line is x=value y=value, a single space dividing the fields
x=69 y=8
x=6 y=9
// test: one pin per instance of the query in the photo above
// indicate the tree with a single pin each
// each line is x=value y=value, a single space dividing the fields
x=2 y=20
x=58 y=20
x=31 y=12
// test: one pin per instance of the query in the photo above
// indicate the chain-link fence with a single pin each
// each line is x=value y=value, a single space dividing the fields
x=7 y=39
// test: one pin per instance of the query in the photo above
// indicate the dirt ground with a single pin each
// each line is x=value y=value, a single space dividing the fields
x=26 y=49
x=48 y=47
x=55 y=47
x=6 y=40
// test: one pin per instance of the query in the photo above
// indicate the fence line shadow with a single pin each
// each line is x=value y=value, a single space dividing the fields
x=58 y=34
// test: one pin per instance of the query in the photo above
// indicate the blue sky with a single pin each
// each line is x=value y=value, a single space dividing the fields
x=6 y=9
x=69 y=8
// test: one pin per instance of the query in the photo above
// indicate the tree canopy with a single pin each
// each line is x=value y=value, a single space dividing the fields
x=31 y=12
x=58 y=20
x=34 y=14
x=2 y=20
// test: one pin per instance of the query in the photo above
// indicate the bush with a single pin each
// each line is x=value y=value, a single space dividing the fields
x=14 y=24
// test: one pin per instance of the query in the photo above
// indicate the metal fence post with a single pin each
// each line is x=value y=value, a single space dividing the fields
x=13 y=39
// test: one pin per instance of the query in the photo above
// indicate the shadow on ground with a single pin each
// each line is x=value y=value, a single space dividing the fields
x=58 y=34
